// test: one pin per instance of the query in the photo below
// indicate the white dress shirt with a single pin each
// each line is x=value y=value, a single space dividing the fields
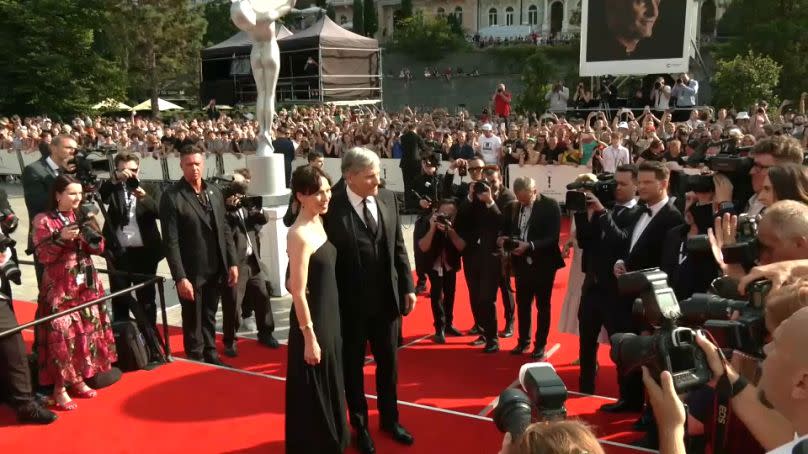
x=524 y=219
x=614 y=157
x=129 y=234
x=645 y=219
x=52 y=164
x=356 y=203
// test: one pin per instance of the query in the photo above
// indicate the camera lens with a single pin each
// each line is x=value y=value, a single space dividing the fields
x=132 y=183
x=513 y=412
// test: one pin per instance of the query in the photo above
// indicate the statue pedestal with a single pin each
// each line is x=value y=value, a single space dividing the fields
x=268 y=179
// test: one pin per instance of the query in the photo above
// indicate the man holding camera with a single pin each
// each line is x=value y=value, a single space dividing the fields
x=558 y=97
x=428 y=188
x=132 y=235
x=533 y=225
x=602 y=234
x=245 y=218
x=440 y=247
x=37 y=179
x=503 y=197
x=685 y=92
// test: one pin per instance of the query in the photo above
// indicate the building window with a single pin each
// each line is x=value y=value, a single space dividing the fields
x=458 y=13
x=509 y=16
x=533 y=15
x=441 y=13
x=492 y=16
x=343 y=20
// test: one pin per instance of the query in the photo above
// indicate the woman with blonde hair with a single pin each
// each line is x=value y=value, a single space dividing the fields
x=559 y=437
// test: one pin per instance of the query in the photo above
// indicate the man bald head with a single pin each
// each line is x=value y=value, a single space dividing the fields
x=783 y=233
x=784 y=381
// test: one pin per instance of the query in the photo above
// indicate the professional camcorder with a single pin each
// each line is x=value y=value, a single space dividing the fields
x=670 y=348
x=542 y=389
x=603 y=189
x=241 y=200
x=88 y=162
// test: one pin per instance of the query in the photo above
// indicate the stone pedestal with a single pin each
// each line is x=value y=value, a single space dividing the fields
x=268 y=179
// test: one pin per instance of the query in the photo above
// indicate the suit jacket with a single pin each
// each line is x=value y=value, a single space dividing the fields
x=440 y=243
x=695 y=273
x=339 y=226
x=37 y=179
x=250 y=228
x=647 y=252
x=544 y=229
x=412 y=145
x=146 y=215
x=185 y=225
x=479 y=226
x=604 y=239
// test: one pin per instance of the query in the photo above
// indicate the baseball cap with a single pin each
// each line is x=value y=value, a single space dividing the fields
x=742 y=116
x=622 y=125
x=487 y=127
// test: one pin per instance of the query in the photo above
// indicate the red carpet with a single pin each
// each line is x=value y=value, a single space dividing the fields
x=189 y=402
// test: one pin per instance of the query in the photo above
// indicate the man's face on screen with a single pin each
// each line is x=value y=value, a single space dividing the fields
x=633 y=18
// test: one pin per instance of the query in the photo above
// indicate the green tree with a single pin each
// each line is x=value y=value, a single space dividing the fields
x=50 y=59
x=537 y=75
x=220 y=26
x=358 y=18
x=164 y=38
x=455 y=25
x=744 y=80
x=406 y=9
x=371 y=19
x=425 y=38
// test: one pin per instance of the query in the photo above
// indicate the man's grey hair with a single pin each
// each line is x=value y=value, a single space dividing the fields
x=789 y=217
x=524 y=184
x=357 y=159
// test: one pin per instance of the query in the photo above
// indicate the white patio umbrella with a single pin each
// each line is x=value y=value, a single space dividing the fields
x=111 y=104
x=162 y=105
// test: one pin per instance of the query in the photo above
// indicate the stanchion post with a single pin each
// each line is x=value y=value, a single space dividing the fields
x=166 y=340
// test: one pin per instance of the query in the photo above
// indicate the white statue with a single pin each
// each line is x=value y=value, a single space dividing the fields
x=257 y=17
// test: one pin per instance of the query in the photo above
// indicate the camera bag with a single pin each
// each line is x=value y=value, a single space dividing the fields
x=132 y=352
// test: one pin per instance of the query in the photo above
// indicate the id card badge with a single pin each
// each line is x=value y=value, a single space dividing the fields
x=80 y=278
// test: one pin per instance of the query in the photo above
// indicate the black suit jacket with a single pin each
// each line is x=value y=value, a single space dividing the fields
x=185 y=225
x=250 y=228
x=146 y=215
x=412 y=145
x=695 y=274
x=37 y=179
x=544 y=229
x=647 y=252
x=339 y=226
x=604 y=239
x=440 y=243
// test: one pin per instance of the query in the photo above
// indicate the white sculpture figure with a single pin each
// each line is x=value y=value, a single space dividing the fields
x=257 y=17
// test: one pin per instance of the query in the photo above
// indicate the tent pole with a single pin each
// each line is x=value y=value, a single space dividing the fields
x=320 y=95
x=381 y=80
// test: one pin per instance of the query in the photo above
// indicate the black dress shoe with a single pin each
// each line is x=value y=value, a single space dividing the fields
x=268 y=340
x=230 y=351
x=475 y=330
x=520 y=349
x=33 y=413
x=506 y=333
x=621 y=406
x=420 y=289
x=452 y=331
x=216 y=362
x=492 y=347
x=538 y=353
x=195 y=357
x=439 y=338
x=477 y=342
x=399 y=434
x=364 y=443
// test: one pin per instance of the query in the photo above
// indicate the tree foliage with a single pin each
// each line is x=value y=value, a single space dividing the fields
x=455 y=25
x=51 y=63
x=426 y=38
x=777 y=29
x=744 y=80
x=370 y=17
x=220 y=26
x=358 y=17
x=406 y=9
x=536 y=76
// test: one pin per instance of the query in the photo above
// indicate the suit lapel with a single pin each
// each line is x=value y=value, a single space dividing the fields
x=387 y=222
x=651 y=225
x=190 y=197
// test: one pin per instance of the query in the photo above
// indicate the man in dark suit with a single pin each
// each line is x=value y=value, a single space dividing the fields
x=533 y=224
x=374 y=279
x=199 y=250
x=603 y=236
x=37 y=179
x=252 y=288
x=413 y=147
x=503 y=197
x=283 y=145
x=132 y=236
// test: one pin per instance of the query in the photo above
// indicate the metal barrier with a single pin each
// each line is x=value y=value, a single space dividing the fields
x=161 y=342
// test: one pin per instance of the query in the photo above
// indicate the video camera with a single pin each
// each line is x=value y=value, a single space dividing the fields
x=743 y=252
x=11 y=269
x=670 y=348
x=542 y=389
x=238 y=189
x=88 y=163
x=728 y=162
x=603 y=189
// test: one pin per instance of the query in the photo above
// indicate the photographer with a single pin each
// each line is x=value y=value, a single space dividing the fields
x=532 y=225
x=440 y=247
x=503 y=197
x=685 y=92
x=472 y=167
x=246 y=218
x=132 y=234
x=558 y=97
x=428 y=188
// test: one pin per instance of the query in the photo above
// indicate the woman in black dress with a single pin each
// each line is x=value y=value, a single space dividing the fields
x=315 y=394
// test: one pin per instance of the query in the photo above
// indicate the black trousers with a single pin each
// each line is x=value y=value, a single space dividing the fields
x=482 y=273
x=15 y=376
x=534 y=285
x=508 y=299
x=251 y=289
x=408 y=175
x=199 y=319
x=442 y=288
x=381 y=332
x=135 y=260
x=602 y=307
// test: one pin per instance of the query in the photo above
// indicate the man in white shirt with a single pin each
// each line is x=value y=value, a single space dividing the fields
x=615 y=155
x=490 y=146
x=558 y=97
x=685 y=91
x=661 y=95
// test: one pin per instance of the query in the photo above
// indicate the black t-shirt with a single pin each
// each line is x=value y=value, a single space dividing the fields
x=552 y=154
x=649 y=155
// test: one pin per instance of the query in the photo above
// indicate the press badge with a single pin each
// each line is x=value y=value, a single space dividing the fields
x=80 y=278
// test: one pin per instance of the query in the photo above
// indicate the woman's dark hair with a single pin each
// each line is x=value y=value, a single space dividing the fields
x=789 y=182
x=306 y=180
x=59 y=185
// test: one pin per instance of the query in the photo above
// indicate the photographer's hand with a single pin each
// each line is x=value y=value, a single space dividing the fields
x=69 y=233
x=139 y=193
x=522 y=248
x=668 y=411
x=777 y=273
x=723 y=189
x=721 y=235
x=424 y=204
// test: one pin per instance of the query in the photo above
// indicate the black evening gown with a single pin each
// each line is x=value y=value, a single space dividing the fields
x=315 y=395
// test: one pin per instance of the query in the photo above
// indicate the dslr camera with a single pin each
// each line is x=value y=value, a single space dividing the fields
x=11 y=269
x=542 y=390
x=510 y=244
x=603 y=189
x=670 y=348
x=743 y=252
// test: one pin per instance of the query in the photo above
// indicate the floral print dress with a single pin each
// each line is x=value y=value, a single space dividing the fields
x=79 y=345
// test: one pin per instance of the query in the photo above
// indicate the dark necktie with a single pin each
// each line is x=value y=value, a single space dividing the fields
x=369 y=220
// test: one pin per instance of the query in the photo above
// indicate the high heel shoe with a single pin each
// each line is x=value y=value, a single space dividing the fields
x=67 y=406
x=88 y=393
